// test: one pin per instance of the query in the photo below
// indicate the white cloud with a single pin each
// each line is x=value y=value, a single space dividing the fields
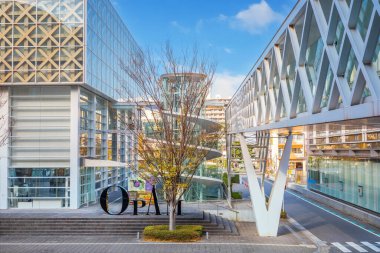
x=228 y=50
x=226 y=84
x=222 y=17
x=179 y=27
x=256 y=18
x=199 y=25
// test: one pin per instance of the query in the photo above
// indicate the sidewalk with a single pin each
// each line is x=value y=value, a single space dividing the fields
x=337 y=205
x=248 y=241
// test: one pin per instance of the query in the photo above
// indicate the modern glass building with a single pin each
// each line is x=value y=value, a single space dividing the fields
x=320 y=76
x=61 y=77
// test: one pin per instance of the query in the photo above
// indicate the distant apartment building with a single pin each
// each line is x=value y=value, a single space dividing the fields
x=215 y=109
x=297 y=162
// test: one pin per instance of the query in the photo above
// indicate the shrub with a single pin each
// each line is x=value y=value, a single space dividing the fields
x=234 y=179
x=236 y=195
x=183 y=233
x=283 y=214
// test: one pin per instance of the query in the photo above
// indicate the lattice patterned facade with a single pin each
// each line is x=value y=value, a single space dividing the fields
x=322 y=65
x=41 y=41
x=44 y=42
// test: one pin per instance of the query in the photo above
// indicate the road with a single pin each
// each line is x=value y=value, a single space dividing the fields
x=321 y=222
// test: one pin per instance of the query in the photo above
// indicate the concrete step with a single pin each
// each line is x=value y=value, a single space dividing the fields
x=128 y=226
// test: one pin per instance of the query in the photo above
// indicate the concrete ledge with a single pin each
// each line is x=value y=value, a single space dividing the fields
x=337 y=205
x=243 y=215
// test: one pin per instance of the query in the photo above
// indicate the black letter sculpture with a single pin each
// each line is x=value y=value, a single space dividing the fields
x=156 y=206
x=104 y=200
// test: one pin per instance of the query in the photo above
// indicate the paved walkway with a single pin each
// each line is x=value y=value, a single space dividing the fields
x=156 y=248
x=288 y=240
x=248 y=241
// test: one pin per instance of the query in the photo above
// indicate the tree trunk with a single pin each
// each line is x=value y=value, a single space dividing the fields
x=172 y=215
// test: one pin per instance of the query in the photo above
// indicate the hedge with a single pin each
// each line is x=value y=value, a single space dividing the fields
x=183 y=233
x=236 y=195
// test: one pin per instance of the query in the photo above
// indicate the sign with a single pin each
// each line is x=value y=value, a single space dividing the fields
x=125 y=198
x=137 y=184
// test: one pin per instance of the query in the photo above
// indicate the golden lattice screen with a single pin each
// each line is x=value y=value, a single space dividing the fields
x=41 y=41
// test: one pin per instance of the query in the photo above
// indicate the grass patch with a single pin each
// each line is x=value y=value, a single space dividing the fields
x=183 y=233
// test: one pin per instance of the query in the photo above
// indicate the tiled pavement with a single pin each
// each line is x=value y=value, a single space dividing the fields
x=248 y=241
x=147 y=248
x=288 y=240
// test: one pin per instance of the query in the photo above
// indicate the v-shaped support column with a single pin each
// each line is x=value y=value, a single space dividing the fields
x=267 y=218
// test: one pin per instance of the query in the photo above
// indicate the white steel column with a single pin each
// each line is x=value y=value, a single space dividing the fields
x=4 y=150
x=229 y=149
x=74 y=148
x=267 y=219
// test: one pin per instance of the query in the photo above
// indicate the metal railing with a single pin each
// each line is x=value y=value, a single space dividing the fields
x=226 y=208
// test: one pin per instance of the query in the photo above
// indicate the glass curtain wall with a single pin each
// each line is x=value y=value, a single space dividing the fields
x=347 y=168
x=354 y=181
x=109 y=46
x=103 y=137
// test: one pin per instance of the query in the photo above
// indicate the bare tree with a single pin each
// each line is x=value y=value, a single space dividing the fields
x=173 y=142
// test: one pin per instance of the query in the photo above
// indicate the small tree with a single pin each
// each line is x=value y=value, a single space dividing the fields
x=172 y=143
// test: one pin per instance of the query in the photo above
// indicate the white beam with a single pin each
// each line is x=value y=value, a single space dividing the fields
x=74 y=149
x=267 y=219
x=102 y=163
x=4 y=158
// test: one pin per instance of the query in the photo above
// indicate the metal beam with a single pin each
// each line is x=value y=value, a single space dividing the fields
x=267 y=219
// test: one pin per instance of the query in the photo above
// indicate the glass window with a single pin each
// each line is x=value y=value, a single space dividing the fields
x=364 y=17
x=290 y=69
x=314 y=53
x=298 y=26
x=354 y=181
x=339 y=32
x=27 y=186
x=48 y=11
x=376 y=58
x=327 y=88
x=301 y=106
x=283 y=110
x=326 y=8
x=348 y=3
x=351 y=68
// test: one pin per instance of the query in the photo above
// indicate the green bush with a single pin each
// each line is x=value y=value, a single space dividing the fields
x=236 y=195
x=183 y=233
x=234 y=179
x=283 y=214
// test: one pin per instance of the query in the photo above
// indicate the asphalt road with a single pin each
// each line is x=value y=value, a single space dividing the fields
x=319 y=220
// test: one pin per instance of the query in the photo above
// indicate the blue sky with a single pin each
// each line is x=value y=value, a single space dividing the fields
x=233 y=32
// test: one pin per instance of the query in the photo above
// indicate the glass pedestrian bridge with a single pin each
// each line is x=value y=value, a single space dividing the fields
x=319 y=78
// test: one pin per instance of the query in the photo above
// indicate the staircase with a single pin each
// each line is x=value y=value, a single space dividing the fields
x=115 y=225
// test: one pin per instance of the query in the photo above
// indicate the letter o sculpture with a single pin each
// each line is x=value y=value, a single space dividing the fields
x=104 y=202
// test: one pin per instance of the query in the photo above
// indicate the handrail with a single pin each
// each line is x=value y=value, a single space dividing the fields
x=228 y=208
